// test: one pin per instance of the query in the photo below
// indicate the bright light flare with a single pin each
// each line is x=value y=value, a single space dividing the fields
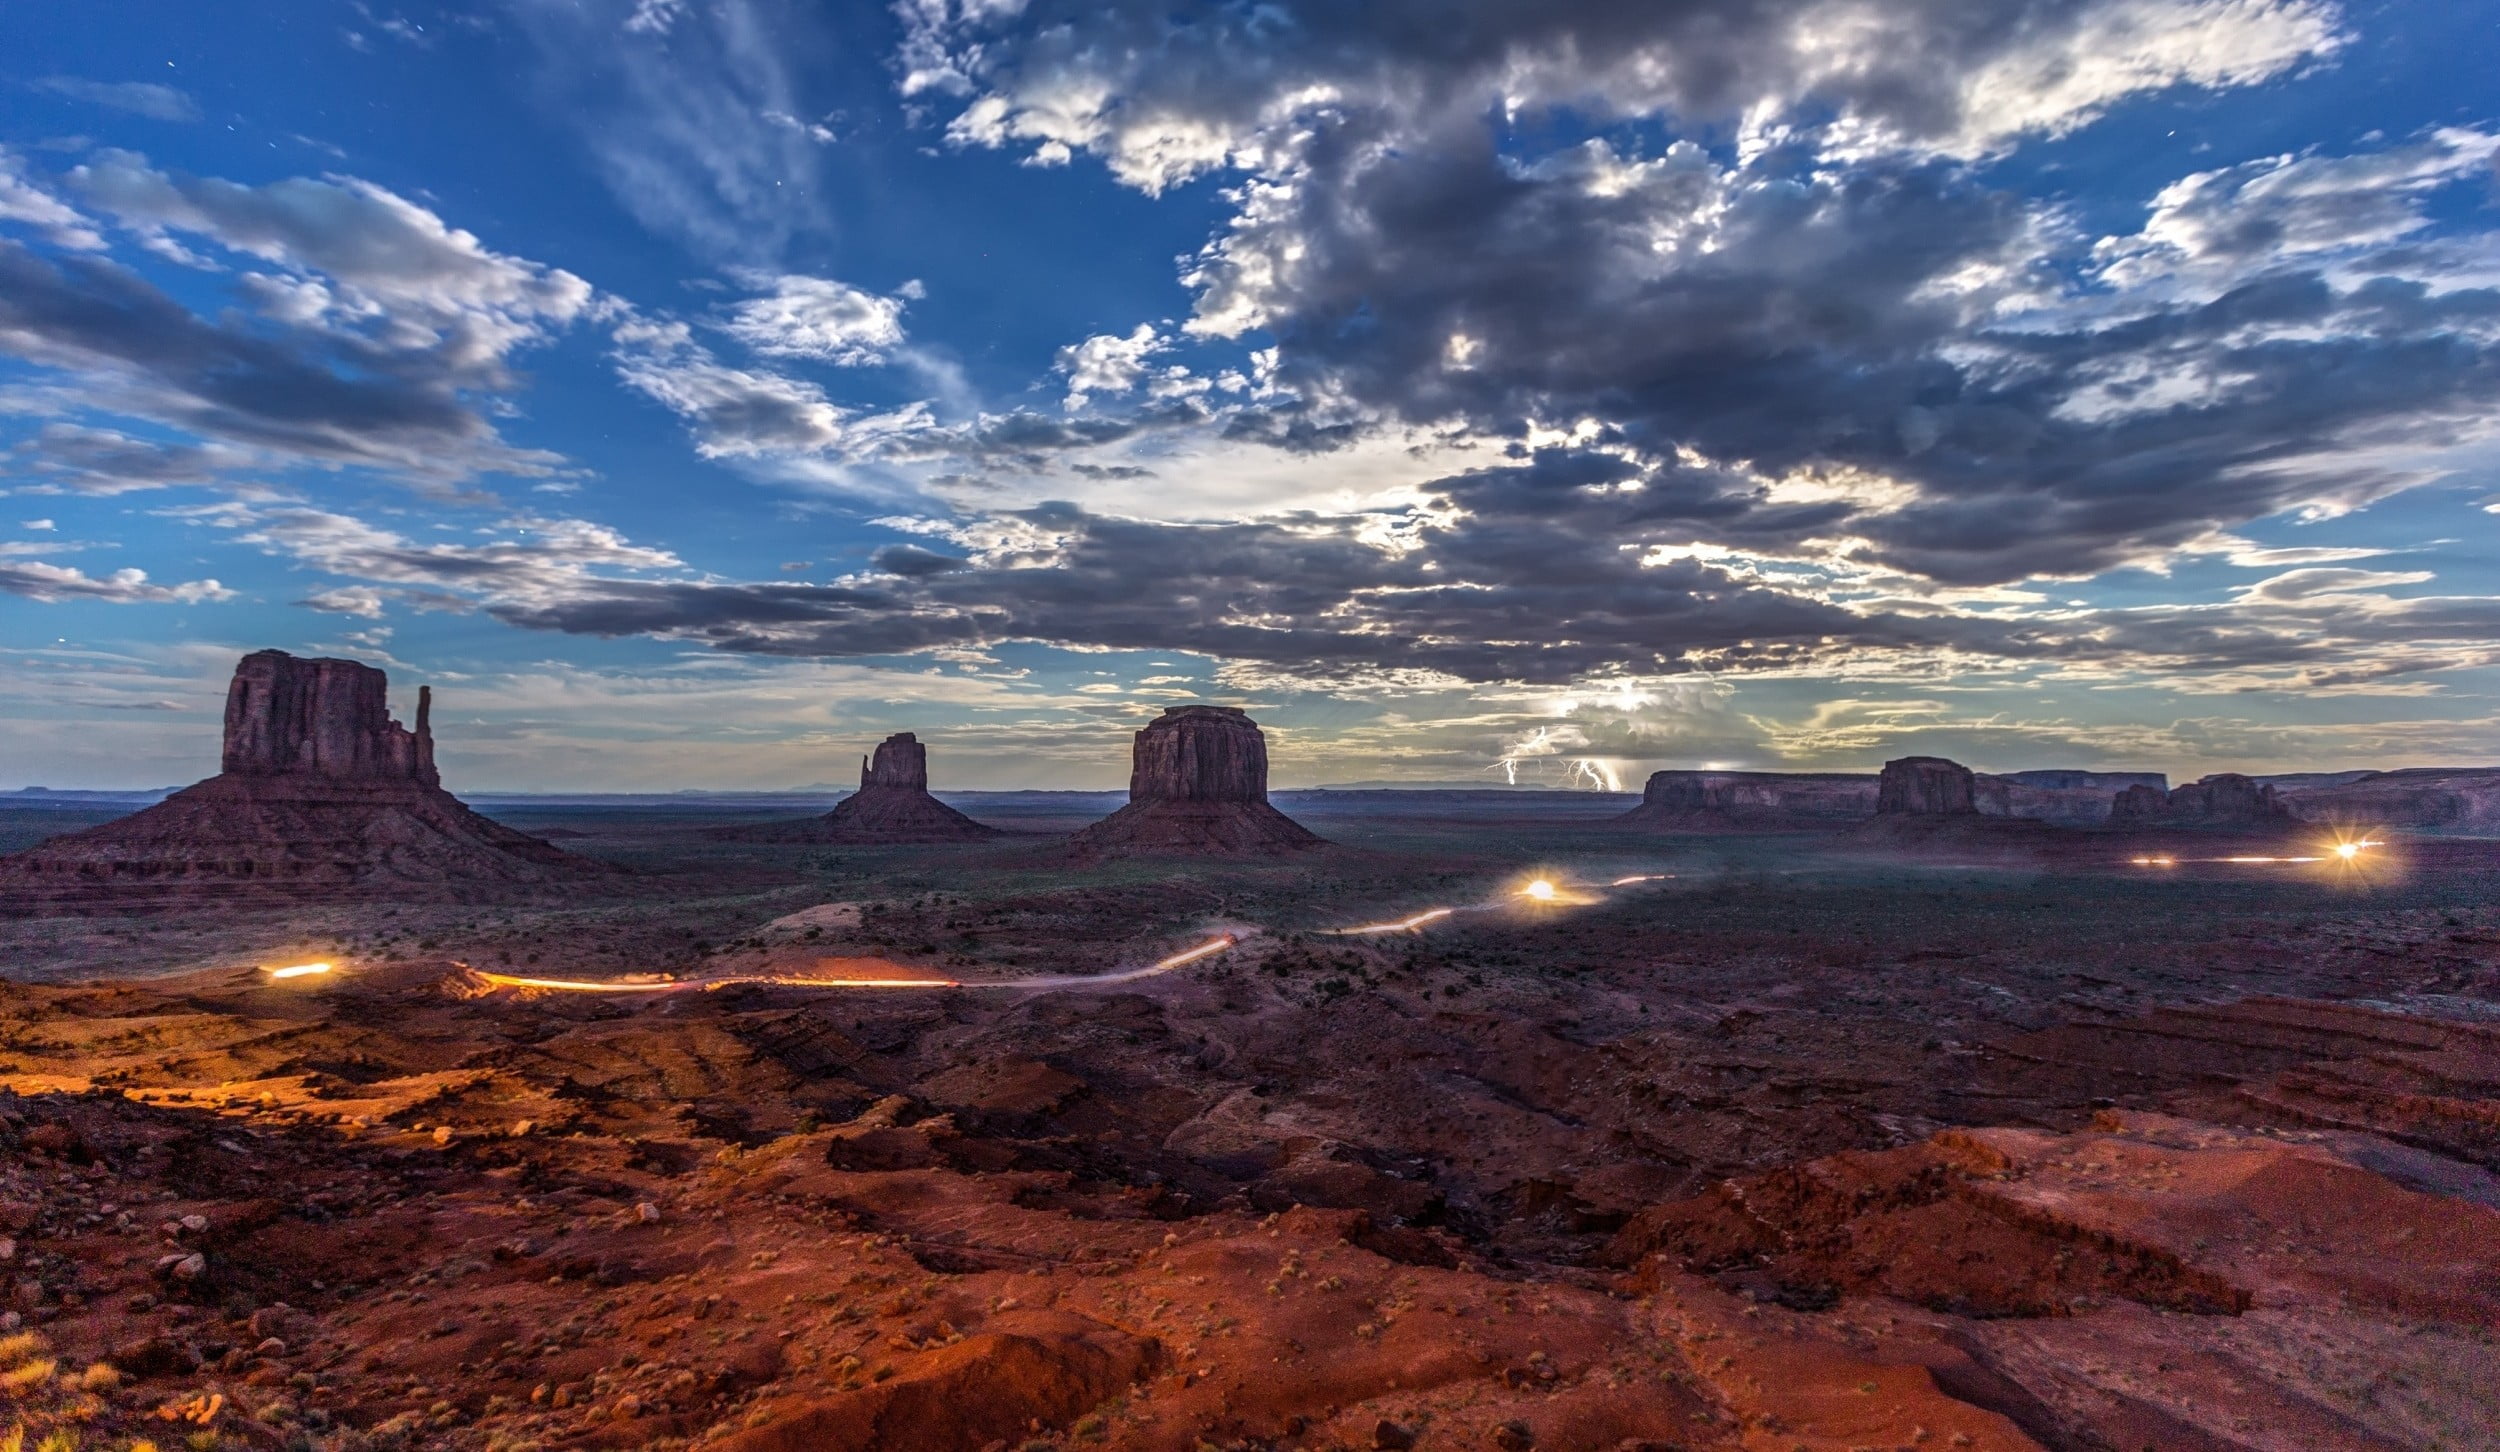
x=2348 y=850
x=1538 y=891
x=297 y=970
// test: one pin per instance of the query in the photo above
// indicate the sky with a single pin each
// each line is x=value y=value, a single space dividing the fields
x=695 y=391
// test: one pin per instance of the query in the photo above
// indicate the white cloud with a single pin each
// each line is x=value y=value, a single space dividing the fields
x=29 y=205
x=139 y=98
x=819 y=318
x=1108 y=363
x=53 y=584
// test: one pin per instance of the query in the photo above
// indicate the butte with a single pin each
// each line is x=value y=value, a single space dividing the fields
x=893 y=805
x=1197 y=786
x=322 y=796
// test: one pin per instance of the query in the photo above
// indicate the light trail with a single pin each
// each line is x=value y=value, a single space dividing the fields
x=1402 y=925
x=1207 y=949
x=298 y=970
x=2342 y=852
x=1642 y=877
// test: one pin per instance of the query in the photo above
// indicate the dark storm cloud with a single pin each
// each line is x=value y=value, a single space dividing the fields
x=1842 y=296
x=1523 y=600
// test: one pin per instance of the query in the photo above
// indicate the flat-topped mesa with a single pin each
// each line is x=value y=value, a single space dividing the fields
x=2225 y=799
x=332 y=718
x=1197 y=784
x=1925 y=786
x=1755 y=800
x=893 y=805
x=322 y=796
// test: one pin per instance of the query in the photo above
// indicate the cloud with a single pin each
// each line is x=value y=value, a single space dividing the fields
x=2221 y=224
x=27 y=204
x=675 y=106
x=139 y=98
x=1108 y=363
x=1161 y=99
x=352 y=251
x=53 y=584
x=820 y=319
x=331 y=396
x=76 y=459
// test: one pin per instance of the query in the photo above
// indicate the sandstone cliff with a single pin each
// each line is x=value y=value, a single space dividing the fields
x=1197 y=784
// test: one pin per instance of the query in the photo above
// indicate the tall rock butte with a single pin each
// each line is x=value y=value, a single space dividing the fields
x=1198 y=785
x=322 y=795
x=2225 y=799
x=893 y=802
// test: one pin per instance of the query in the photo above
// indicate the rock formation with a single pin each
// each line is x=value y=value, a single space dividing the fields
x=2453 y=799
x=1925 y=786
x=322 y=795
x=1757 y=800
x=2225 y=799
x=1198 y=785
x=2066 y=797
x=893 y=802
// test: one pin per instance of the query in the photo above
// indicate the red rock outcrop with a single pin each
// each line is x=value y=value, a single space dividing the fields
x=1198 y=785
x=2225 y=799
x=1925 y=786
x=322 y=795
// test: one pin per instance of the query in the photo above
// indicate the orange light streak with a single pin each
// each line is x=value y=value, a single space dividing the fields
x=1206 y=949
x=1402 y=925
x=299 y=970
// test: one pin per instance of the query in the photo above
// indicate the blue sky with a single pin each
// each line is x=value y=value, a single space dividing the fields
x=696 y=390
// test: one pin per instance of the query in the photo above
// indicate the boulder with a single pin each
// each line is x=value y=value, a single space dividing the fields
x=322 y=796
x=1197 y=784
x=1925 y=786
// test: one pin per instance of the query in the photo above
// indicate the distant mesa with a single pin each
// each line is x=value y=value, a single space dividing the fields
x=2462 y=799
x=1930 y=803
x=1750 y=800
x=2226 y=800
x=1198 y=786
x=1773 y=801
x=322 y=795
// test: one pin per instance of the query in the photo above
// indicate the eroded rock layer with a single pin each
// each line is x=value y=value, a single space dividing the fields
x=322 y=795
x=1198 y=785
